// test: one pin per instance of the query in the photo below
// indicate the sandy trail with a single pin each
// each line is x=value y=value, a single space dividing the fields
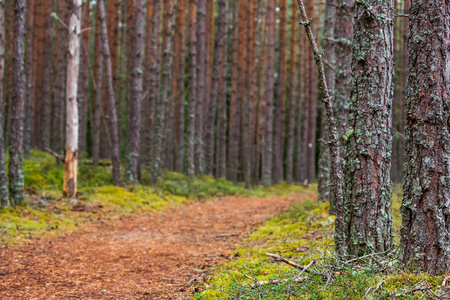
x=152 y=256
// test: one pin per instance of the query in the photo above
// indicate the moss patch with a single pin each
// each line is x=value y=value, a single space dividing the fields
x=303 y=234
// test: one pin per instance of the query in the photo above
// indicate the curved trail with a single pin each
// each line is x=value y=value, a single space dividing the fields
x=152 y=256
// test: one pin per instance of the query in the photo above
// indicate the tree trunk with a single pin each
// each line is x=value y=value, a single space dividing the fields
x=83 y=91
x=16 y=180
x=301 y=101
x=97 y=101
x=71 y=159
x=425 y=209
x=111 y=115
x=151 y=78
x=268 y=139
x=59 y=87
x=163 y=107
x=4 y=201
x=191 y=130
x=201 y=87
x=216 y=77
x=30 y=77
x=293 y=95
x=135 y=96
x=233 y=124
x=180 y=44
x=279 y=122
x=367 y=190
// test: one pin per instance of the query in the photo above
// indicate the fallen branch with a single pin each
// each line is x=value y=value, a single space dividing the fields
x=297 y=266
x=55 y=154
x=226 y=235
x=264 y=282
x=444 y=282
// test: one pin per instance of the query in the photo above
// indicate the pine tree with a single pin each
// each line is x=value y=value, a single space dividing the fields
x=4 y=201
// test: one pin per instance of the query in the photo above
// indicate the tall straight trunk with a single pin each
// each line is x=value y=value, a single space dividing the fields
x=71 y=159
x=248 y=117
x=163 y=107
x=367 y=188
x=60 y=73
x=191 y=130
x=97 y=101
x=301 y=101
x=180 y=65
x=267 y=159
x=83 y=91
x=425 y=207
x=216 y=77
x=4 y=201
x=241 y=92
x=30 y=77
x=279 y=122
x=209 y=59
x=324 y=167
x=45 y=77
x=111 y=115
x=222 y=117
x=16 y=179
x=261 y=54
x=233 y=124
x=201 y=87
x=134 y=102
x=151 y=78
x=293 y=96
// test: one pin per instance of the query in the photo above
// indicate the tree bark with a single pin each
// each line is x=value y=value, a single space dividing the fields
x=267 y=159
x=191 y=130
x=216 y=77
x=135 y=96
x=180 y=44
x=111 y=114
x=71 y=159
x=16 y=179
x=4 y=200
x=368 y=216
x=279 y=127
x=293 y=95
x=425 y=209
x=163 y=107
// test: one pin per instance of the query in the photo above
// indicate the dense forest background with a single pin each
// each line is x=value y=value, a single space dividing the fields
x=202 y=87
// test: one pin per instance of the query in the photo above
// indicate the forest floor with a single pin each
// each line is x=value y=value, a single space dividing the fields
x=159 y=255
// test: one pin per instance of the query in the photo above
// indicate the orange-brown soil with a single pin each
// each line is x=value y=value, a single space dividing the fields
x=152 y=256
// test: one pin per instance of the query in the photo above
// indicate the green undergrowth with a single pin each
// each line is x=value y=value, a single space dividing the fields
x=305 y=234
x=46 y=213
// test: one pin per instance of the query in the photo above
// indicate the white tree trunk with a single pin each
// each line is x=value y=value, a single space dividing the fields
x=71 y=159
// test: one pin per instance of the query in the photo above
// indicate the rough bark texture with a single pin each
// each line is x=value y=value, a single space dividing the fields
x=216 y=77
x=180 y=65
x=111 y=114
x=279 y=122
x=16 y=180
x=162 y=108
x=293 y=95
x=190 y=162
x=368 y=216
x=71 y=159
x=425 y=234
x=267 y=158
x=134 y=103
x=4 y=201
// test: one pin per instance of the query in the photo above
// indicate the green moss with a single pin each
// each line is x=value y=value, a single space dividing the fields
x=301 y=234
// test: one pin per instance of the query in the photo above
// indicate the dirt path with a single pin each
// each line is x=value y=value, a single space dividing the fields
x=153 y=256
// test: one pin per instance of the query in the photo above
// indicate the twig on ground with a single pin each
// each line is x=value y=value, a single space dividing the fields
x=297 y=266
x=6 y=229
x=195 y=278
x=444 y=282
x=55 y=154
x=226 y=235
